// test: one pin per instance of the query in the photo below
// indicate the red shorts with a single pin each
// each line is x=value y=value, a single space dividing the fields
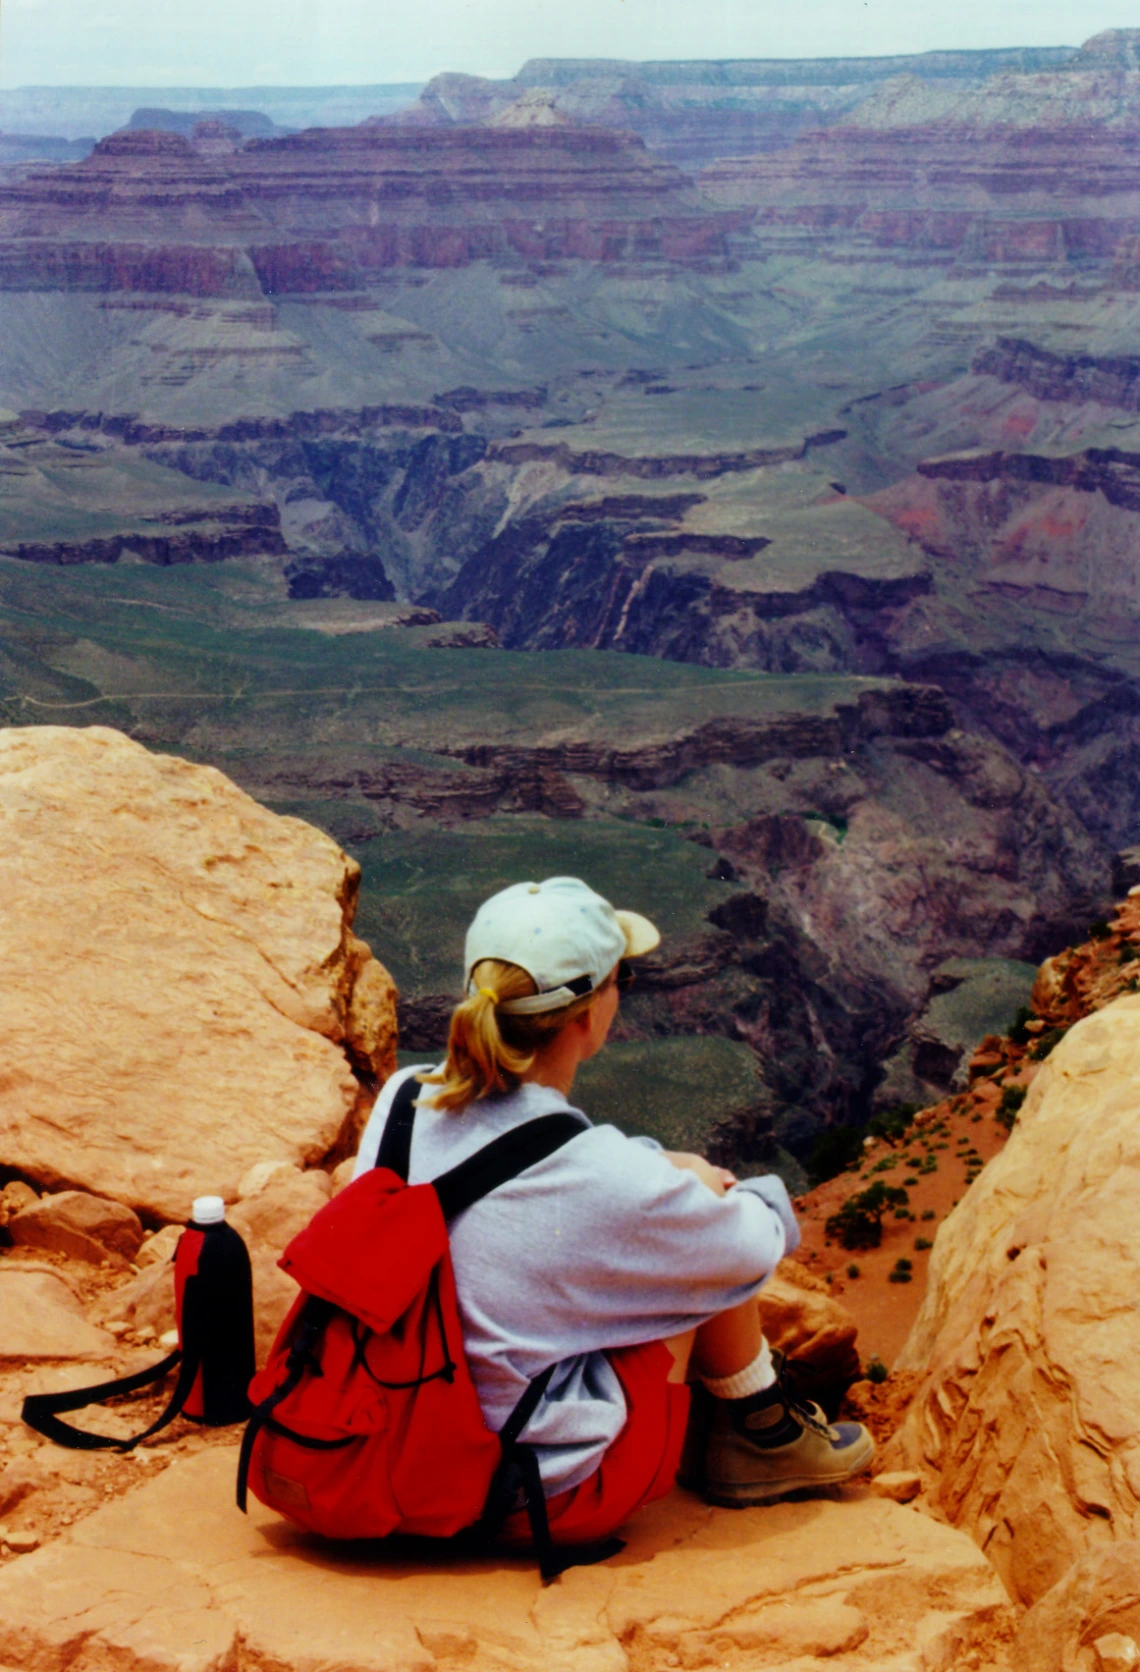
x=638 y=1466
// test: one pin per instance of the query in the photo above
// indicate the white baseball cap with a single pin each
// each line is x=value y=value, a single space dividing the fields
x=566 y=938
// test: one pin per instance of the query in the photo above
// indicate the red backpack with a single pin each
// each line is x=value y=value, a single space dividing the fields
x=365 y=1419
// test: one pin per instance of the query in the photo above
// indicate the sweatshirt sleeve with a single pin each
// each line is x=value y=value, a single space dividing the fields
x=630 y=1248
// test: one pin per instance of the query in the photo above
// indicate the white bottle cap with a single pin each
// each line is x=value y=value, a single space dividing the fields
x=208 y=1210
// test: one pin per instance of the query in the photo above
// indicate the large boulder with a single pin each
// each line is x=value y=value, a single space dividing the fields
x=183 y=995
x=813 y=1330
x=85 y=1227
x=42 y=1318
x=1026 y=1423
x=174 y=1579
x=1090 y=1621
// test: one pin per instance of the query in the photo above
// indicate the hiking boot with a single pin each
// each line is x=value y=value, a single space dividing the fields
x=770 y=1443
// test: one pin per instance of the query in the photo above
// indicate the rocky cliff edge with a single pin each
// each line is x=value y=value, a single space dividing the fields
x=183 y=994
x=1026 y=1420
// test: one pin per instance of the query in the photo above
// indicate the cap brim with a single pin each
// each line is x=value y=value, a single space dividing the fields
x=640 y=935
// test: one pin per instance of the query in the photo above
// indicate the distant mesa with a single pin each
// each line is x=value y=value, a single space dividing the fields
x=1114 y=49
x=250 y=124
x=695 y=111
x=41 y=148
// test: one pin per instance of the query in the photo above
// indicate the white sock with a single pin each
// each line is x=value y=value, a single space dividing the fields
x=754 y=1378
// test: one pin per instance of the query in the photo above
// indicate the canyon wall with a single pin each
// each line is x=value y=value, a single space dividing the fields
x=329 y=209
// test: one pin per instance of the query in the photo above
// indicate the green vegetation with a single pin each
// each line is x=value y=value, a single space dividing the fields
x=1100 y=930
x=875 y=1370
x=1018 y=1033
x=894 y=1123
x=853 y=1271
x=676 y=1090
x=420 y=889
x=833 y=1152
x=1011 y=1100
x=1047 y=1042
x=858 y=1223
x=922 y=1243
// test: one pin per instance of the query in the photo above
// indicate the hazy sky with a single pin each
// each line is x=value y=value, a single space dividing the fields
x=311 y=42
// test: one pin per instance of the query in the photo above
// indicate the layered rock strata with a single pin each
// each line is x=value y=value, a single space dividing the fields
x=1037 y=168
x=692 y=112
x=331 y=209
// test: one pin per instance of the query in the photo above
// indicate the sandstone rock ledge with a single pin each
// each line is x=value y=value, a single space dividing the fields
x=173 y=1577
x=1026 y=1423
x=182 y=993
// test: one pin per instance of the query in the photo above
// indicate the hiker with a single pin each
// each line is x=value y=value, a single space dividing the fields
x=631 y=1270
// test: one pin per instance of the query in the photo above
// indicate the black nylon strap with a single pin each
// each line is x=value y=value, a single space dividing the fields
x=396 y=1144
x=526 y=1407
x=314 y=1316
x=40 y=1410
x=502 y=1159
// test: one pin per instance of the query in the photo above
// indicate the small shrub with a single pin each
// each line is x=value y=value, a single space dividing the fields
x=853 y=1271
x=876 y=1370
x=885 y=1165
x=1129 y=953
x=903 y=1264
x=909 y=1184
x=898 y=1276
x=922 y=1243
x=928 y=1213
x=892 y=1124
x=1011 y=1100
x=1100 y=930
x=1018 y=1033
x=858 y=1223
x=1046 y=1042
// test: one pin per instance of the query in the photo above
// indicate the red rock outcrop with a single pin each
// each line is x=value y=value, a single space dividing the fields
x=1057 y=531
x=183 y=995
x=1027 y=1413
x=329 y=209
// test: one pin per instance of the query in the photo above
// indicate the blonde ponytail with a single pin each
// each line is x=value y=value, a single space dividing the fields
x=489 y=1052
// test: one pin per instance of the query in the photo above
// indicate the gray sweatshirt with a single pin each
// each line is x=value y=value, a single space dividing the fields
x=603 y=1244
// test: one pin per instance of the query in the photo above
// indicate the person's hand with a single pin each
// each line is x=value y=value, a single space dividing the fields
x=718 y=1179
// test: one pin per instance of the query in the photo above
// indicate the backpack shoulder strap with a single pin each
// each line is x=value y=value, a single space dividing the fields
x=504 y=1158
x=396 y=1144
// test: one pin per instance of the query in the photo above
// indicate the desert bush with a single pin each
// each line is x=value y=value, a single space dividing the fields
x=1011 y=1100
x=858 y=1223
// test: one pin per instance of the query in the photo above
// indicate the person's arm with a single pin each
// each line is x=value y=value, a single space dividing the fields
x=718 y=1179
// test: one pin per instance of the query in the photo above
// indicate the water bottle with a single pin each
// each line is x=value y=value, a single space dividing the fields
x=213 y=1296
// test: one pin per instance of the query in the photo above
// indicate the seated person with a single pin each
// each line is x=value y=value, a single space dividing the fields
x=632 y=1270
